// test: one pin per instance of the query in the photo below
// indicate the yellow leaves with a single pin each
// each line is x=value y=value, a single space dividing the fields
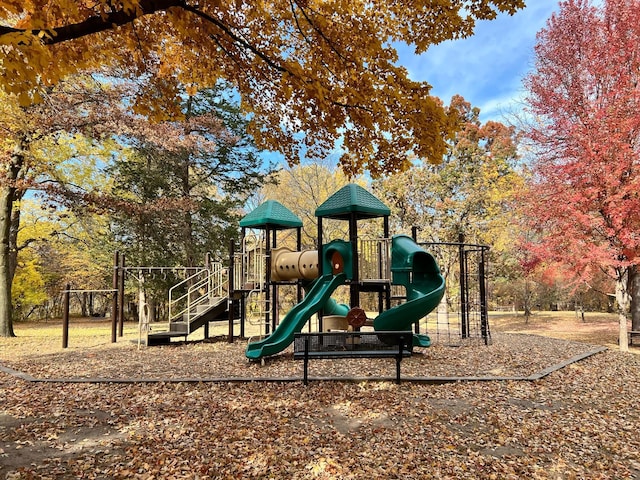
x=44 y=34
x=17 y=38
x=28 y=285
x=127 y=6
x=324 y=467
x=130 y=6
x=191 y=90
x=160 y=103
x=25 y=57
x=26 y=99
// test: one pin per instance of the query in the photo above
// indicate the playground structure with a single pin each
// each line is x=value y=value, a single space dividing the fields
x=396 y=271
x=397 y=261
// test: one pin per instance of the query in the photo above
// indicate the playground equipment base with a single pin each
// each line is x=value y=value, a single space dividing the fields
x=164 y=338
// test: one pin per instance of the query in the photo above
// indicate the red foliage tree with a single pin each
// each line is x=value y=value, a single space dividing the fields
x=584 y=95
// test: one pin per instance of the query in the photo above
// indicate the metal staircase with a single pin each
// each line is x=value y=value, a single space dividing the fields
x=193 y=303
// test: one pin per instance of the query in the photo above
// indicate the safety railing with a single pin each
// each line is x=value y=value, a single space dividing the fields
x=374 y=258
x=250 y=264
x=195 y=291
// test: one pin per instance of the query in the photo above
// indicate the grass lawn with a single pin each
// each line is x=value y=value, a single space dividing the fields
x=597 y=328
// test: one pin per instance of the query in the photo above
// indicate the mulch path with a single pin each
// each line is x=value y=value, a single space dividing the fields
x=578 y=422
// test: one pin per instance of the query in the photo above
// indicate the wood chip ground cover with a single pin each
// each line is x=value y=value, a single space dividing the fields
x=508 y=355
x=579 y=422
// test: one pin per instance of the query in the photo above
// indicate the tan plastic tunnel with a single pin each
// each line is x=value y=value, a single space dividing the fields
x=287 y=264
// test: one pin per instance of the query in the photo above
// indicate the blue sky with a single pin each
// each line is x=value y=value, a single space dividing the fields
x=487 y=68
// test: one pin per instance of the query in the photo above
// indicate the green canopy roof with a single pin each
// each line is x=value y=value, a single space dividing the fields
x=271 y=214
x=352 y=199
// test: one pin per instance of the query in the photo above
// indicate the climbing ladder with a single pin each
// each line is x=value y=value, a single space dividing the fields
x=250 y=265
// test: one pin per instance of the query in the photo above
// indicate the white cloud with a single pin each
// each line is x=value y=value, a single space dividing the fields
x=487 y=68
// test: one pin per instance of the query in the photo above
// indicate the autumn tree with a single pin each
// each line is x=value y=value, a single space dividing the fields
x=468 y=193
x=58 y=248
x=467 y=196
x=12 y=172
x=302 y=189
x=204 y=163
x=315 y=72
x=23 y=137
x=36 y=139
x=28 y=293
x=585 y=98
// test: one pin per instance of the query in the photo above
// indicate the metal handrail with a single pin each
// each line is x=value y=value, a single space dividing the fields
x=175 y=302
x=249 y=269
x=202 y=285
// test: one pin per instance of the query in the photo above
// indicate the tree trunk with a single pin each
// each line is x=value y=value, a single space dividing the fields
x=6 y=279
x=623 y=299
x=9 y=222
x=14 y=228
x=526 y=301
x=634 y=293
x=153 y=310
x=84 y=301
x=143 y=305
x=442 y=312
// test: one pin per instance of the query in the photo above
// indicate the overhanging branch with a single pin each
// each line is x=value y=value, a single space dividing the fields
x=98 y=23
x=117 y=18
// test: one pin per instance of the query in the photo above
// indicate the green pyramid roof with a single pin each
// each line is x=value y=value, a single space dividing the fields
x=271 y=214
x=352 y=199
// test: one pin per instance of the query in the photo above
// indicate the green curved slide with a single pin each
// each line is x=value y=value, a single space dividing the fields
x=418 y=271
x=293 y=322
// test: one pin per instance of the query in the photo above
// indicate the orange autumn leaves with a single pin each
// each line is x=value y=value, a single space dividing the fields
x=319 y=74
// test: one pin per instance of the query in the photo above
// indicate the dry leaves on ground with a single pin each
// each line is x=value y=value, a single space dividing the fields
x=507 y=355
x=579 y=422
